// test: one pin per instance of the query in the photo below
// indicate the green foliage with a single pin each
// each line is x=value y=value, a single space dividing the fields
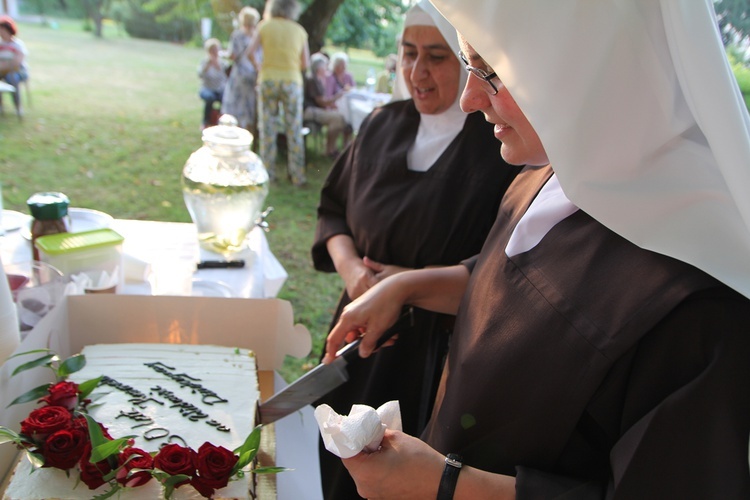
x=734 y=19
x=738 y=61
x=368 y=25
x=158 y=21
x=742 y=74
x=53 y=8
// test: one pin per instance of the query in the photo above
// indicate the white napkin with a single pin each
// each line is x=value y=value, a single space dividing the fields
x=361 y=430
x=92 y=280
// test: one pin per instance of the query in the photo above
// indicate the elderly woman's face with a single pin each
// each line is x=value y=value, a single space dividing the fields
x=520 y=143
x=430 y=68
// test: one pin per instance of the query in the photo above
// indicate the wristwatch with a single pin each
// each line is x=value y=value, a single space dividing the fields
x=450 y=476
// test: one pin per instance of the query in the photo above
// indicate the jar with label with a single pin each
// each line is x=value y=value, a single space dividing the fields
x=50 y=212
x=224 y=185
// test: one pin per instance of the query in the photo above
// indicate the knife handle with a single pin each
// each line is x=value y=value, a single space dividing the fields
x=405 y=320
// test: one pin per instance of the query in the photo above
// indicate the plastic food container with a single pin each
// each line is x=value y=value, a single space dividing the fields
x=89 y=252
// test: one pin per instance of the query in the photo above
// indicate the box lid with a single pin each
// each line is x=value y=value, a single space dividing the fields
x=63 y=243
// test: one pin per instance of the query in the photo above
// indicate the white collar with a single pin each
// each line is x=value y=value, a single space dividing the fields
x=548 y=208
x=434 y=135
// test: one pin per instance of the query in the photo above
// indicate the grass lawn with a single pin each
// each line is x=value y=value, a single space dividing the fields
x=111 y=124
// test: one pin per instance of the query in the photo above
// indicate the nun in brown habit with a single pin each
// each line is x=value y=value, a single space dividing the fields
x=420 y=186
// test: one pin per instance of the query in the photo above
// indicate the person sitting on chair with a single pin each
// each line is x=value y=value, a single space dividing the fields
x=321 y=109
x=13 y=53
x=213 y=74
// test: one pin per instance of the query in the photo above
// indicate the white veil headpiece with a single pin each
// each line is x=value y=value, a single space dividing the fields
x=639 y=112
x=436 y=131
x=425 y=14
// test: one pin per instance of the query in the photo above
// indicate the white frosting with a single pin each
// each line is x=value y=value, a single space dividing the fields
x=229 y=373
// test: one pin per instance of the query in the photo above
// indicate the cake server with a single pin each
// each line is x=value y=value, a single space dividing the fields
x=323 y=378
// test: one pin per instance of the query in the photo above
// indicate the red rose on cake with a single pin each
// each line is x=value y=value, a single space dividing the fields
x=92 y=474
x=64 y=448
x=214 y=468
x=63 y=394
x=175 y=459
x=43 y=422
x=134 y=458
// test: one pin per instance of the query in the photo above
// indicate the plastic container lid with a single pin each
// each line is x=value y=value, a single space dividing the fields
x=64 y=243
x=48 y=206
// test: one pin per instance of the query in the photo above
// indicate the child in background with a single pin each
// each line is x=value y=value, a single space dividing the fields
x=213 y=75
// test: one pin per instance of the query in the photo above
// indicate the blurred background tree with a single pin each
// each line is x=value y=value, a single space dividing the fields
x=734 y=24
x=364 y=24
x=734 y=19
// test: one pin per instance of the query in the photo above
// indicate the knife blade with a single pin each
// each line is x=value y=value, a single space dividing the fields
x=309 y=387
x=323 y=378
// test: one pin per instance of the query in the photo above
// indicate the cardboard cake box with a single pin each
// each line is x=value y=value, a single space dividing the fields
x=264 y=325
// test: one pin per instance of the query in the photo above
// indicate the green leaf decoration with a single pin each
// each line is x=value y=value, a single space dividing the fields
x=71 y=365
x=108 y=493
x=109 y=476
x=9 y=436
x=270 y=470
x=29 y=352
x=33 y=395
x=244 y=459
x=95 y=433
x=248 y=450
x=109 y=448
x=36 y=459
x=160 y=475
x=43 y=361
x=170 y=482
x=85 y=388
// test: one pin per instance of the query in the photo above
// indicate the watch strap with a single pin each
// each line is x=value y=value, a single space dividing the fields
x=453 y=464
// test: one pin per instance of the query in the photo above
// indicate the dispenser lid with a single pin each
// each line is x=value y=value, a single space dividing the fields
x=228 y=132
x=48 y=205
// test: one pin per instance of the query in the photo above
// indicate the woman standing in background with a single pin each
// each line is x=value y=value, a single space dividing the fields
x=285 y=58
x=239 y=95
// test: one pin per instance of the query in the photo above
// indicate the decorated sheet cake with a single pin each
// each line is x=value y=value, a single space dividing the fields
x=169 y=398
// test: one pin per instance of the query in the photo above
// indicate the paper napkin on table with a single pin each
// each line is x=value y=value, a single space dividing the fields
x=361 y=430
x=85 y=282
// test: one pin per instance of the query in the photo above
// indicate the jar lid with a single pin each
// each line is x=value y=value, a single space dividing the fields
x=48 y=206
x=228 y=133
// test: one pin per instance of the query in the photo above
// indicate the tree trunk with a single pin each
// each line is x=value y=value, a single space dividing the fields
x=316 y=19
x=94 y=9
x=98 y=21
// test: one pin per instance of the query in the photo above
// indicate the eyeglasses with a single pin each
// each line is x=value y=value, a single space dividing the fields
x=481 y=74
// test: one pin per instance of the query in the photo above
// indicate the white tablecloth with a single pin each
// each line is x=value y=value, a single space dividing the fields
x=356 y=104
x=146 y=241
